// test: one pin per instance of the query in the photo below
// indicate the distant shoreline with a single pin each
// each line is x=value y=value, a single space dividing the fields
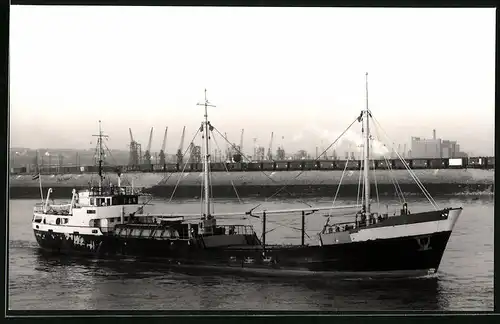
x=294 y=191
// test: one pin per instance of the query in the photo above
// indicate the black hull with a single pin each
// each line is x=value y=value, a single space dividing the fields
x=398 y=255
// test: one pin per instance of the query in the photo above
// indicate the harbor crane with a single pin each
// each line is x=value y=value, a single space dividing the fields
x=241 y=141
x=255 y=148
x=270 y=150
x=238 y=155
x=147 y=154
x=280 y=151
x=180 y=156
x=228 y=150
x=194 y=153
x=135 y=150
x=162 y=151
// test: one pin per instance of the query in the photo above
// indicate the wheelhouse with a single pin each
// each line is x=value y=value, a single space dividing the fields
x=108 y=196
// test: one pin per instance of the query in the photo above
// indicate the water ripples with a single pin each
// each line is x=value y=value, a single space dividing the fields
x=39 y=281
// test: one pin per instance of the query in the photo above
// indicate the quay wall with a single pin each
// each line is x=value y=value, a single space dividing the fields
x=265 y=183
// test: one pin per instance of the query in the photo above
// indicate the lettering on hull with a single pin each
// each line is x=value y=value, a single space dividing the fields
x=69 y=243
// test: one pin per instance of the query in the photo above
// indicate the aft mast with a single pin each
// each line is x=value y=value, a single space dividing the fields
x=205 y=127
x=367 y=153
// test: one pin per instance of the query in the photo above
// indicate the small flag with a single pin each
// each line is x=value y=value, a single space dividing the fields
x=36 y=176
x=360 y=117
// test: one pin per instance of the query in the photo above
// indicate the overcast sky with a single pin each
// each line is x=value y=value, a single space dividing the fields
x=299 y=72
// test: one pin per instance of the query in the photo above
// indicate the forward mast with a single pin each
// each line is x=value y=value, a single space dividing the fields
x=100 y=155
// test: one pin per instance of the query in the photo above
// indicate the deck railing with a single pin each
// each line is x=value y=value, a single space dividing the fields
x=346 y=226
x=60 y=209
x=234 y=230
x=148 y=231
x=157 y=231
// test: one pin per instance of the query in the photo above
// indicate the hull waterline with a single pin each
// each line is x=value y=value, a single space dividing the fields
x=410 y=256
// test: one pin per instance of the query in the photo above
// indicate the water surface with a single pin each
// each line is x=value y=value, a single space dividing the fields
x=464 y=283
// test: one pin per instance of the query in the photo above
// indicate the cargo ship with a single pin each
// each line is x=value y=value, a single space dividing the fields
x=108 y=221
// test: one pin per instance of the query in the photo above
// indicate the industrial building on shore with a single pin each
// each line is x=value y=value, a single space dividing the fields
x=434 y=148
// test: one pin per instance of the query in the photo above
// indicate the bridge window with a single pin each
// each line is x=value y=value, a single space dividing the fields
x=108 y=201
x=91 y=201
x=121 y=200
